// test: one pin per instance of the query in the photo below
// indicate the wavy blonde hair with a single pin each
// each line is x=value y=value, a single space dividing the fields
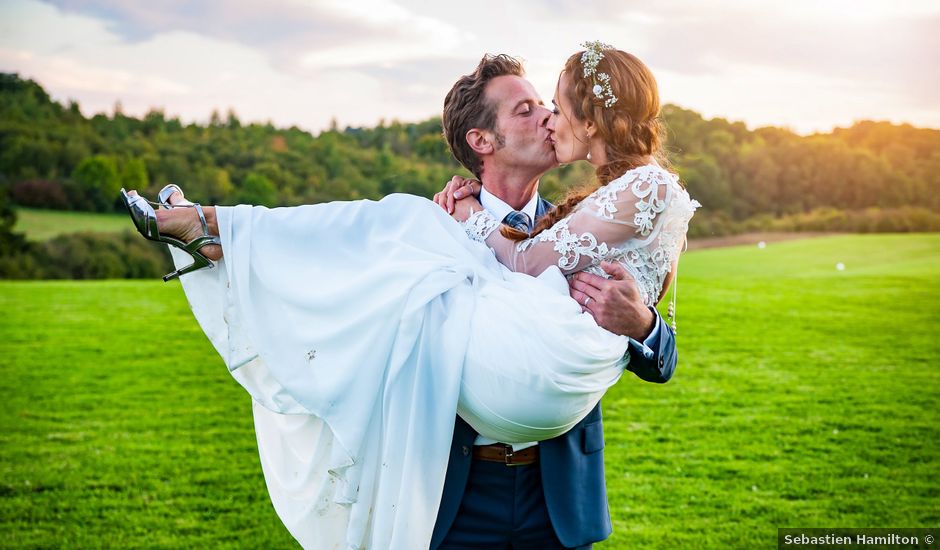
x=631 y=128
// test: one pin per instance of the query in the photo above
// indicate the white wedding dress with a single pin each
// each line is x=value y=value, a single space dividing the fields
x=361 y=328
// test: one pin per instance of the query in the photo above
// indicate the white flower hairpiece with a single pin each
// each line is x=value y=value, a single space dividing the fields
x=593 y=53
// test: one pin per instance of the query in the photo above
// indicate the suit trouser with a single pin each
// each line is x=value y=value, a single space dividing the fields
x=503 y=508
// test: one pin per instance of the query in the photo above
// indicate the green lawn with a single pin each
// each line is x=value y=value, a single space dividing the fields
x=805 y=397
x=41 y=225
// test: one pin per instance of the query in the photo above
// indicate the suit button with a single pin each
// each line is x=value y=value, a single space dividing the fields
x=466 y=451
x=662 y=361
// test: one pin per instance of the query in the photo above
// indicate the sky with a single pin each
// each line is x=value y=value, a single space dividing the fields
x=808 y=65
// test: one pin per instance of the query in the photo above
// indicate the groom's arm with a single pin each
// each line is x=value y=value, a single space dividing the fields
x=655 y=358
x=617 y=306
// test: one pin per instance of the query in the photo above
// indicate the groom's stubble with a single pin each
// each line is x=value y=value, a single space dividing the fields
x=495 y=125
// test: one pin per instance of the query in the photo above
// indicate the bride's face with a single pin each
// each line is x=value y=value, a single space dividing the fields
x=569 y=133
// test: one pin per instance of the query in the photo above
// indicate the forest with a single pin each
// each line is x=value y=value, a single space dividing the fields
x=870 y=177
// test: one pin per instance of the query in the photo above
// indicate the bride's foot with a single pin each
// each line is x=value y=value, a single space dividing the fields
x=184 y=224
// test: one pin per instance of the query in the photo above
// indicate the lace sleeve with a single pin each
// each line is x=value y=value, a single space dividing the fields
x=622 y=215
x=479 y=225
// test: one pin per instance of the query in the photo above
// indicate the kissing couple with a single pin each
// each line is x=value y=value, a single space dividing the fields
x=429 y=373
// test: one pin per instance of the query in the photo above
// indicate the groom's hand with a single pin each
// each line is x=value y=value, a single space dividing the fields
x=614 y=303
x=457 y=188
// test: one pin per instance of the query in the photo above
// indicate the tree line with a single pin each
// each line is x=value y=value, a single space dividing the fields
x=872 y=176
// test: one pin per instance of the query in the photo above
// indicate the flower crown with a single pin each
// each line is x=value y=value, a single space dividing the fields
x=593 y=53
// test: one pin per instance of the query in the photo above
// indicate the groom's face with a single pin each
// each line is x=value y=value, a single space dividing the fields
x=522 y=138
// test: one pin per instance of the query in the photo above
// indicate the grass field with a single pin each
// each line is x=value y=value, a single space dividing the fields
x=805 y=397
x=41 y=225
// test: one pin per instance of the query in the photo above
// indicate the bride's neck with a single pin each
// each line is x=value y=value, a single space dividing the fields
x=515 y=189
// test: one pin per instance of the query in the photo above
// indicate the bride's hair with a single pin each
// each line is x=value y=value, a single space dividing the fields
x=630 y=128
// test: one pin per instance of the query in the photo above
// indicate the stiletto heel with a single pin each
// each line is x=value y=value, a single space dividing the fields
x=145 y=220
x=199 y=262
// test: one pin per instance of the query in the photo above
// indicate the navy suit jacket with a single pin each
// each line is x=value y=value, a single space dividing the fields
x=572 y=464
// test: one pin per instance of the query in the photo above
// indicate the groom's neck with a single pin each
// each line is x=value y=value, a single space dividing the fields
x=515 y=189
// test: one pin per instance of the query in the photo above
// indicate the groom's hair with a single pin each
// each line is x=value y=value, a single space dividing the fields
x=466 y=107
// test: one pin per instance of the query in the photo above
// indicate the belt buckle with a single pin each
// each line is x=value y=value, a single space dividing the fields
x=508 y=458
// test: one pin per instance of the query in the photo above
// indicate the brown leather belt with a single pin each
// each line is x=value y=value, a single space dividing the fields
x=500 y=452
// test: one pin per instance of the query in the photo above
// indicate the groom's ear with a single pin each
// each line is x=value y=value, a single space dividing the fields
x=480 y=141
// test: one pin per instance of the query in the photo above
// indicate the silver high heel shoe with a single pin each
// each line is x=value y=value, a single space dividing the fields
x=145 y=220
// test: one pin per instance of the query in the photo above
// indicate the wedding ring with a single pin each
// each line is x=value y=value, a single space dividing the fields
x=586 y=300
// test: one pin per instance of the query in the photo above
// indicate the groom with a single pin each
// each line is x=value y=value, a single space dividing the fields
x=549 y=494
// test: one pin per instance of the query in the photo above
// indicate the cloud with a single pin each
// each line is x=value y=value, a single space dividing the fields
x=418 y=82
x=876 y=45
x=805 y=64
x=873 y=45
x=63 y=72
x=189 y=75
x=295 y=35
x=251 y=22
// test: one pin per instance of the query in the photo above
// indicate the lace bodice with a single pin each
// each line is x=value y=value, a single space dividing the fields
x=639 y=220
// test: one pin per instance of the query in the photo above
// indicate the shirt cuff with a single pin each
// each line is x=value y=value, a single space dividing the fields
x=651 y=341
x=654 y=335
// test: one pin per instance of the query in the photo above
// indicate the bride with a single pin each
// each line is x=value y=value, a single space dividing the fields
x=359 y=328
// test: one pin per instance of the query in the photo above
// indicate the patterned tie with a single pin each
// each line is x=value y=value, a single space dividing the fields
x=518 y=220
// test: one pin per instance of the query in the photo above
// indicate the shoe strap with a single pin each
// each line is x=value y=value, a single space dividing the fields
x=205 y=238
x=200 y=242
x=163 y=197
x=202 y=218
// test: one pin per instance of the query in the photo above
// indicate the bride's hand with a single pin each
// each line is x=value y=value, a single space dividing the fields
x=465 y=207
x=456 y=189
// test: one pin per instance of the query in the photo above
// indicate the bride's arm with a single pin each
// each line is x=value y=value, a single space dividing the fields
x=602 y=221
x=572 y=243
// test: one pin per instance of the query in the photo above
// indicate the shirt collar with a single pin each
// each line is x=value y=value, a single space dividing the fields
x=499 y=209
